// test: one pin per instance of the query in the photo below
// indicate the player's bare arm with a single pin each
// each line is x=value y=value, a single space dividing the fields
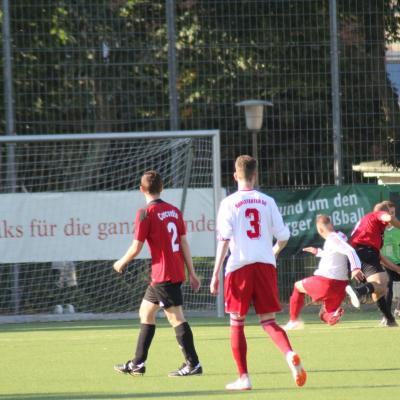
x=395 y=222
x=389 y=264
x=310 y=249
x=195 y=282
x=279 y=246
x=133 y=250
x=358 y=275
x=387 y=217
x=222 y=250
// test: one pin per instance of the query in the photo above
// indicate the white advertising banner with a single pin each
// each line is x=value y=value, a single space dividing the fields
x=83 y=226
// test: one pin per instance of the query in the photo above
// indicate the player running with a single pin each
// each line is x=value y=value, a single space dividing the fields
x=246 y=224
x=328 y=284
x=367 y=239
x=162 y=225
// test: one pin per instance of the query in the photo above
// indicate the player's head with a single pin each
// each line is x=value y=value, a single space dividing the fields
x=324 y=224
x=151 y=183
x=387 y=206
x=245 y=168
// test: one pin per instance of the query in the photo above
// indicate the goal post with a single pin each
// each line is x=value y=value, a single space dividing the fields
x=73 y=198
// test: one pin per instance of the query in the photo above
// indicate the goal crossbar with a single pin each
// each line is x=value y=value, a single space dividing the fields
x=66 y=137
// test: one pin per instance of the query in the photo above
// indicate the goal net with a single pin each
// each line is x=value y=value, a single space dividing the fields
x=70 y=203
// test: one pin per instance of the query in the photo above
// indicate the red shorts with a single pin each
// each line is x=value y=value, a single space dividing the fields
x=330 y=291
x=252 y=284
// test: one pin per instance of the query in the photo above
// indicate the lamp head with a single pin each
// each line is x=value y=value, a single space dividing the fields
x=254 y=112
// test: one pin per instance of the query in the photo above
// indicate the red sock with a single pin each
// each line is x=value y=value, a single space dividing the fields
x=239 y=345
x=277 y=334
x=324 y=316
x=296 y=304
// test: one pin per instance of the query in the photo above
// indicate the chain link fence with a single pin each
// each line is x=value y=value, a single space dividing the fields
x=132 y=65
x=330 y=68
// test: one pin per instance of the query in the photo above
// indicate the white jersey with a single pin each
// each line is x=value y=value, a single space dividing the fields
x=250 y=219
x=334 y=256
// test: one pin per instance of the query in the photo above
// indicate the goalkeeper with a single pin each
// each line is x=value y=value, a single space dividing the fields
x=162 y=225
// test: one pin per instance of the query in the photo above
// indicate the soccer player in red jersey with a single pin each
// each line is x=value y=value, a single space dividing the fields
x=162 y=226
x=247 y=222
x=367 y=240
x=328 y=284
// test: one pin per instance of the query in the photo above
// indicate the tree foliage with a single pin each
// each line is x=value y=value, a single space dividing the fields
x=102 y=65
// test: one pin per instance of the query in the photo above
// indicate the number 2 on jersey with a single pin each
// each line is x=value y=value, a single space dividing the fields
x=174 y=240
x=253 y=216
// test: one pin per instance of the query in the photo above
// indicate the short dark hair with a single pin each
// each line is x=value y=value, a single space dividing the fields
x=151 y=182
x=245 y=167
x=323 y=219
x=384 y=206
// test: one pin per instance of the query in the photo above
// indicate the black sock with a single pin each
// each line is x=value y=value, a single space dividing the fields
x=389 y=293
x=184 y=336
x=384 y=308
x=389 y=297
x=145 y=338
x=363 y=290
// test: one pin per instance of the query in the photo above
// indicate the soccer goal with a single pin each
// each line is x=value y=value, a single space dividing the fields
x=68 y=204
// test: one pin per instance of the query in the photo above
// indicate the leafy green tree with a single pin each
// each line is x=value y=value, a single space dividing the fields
x=102 y=66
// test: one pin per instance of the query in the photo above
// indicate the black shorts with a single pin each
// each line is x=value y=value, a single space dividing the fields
x=166 y=294
x=370 y=260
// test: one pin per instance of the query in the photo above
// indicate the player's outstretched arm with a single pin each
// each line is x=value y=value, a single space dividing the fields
x=222 y=250
x=195 y=282
x=133 y=250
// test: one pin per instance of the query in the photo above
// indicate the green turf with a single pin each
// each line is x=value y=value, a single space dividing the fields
x=353 y=360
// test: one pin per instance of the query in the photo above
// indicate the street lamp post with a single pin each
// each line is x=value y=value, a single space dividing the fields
x=253 y=110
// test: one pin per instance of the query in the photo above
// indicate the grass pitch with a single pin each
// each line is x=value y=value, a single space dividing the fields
x=352 y=360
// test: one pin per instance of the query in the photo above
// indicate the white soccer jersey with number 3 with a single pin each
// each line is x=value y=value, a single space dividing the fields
x=250 y=220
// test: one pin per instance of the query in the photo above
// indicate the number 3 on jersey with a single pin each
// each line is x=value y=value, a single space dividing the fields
x=253 y=215
x=173 y=230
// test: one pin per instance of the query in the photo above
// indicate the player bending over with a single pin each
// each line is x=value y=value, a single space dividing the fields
x=246 y=224
x=162 y=225
x=328 y=284
x=367 y=239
